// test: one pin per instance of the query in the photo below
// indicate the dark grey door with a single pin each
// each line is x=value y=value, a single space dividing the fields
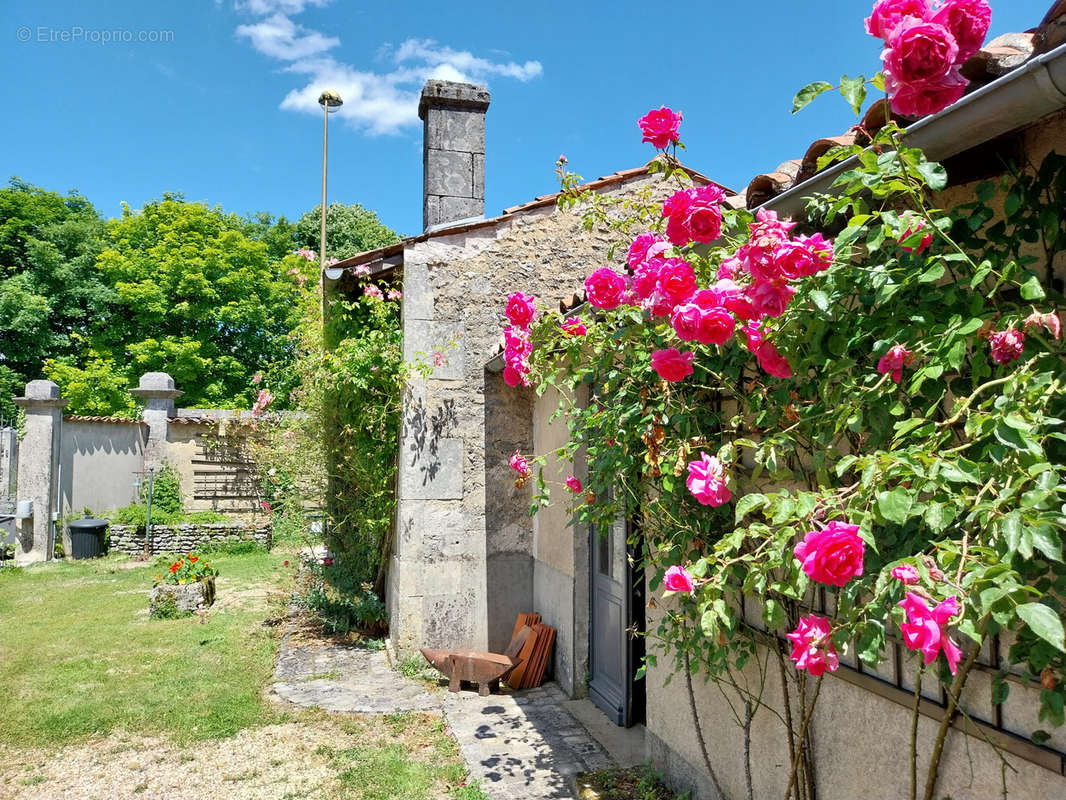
x=610 y=652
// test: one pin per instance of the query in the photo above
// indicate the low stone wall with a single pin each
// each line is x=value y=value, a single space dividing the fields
x=186 y=538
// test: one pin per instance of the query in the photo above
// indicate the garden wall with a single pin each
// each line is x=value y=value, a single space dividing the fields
x=185 y=538
x=99 y=460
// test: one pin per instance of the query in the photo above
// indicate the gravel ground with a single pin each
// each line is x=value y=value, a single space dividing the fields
x=276 y=762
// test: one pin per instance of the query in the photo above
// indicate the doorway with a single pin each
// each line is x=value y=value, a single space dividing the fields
x=616 y=619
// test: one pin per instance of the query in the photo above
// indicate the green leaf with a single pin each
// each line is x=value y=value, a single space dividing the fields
x=1045 y=623
x=854 y=91
x=820 y=300
x=895 y=506
x=936 y=177
x=1032 y=290
x=1047 y=540
x=1010 y=528
x=933 y=274
x=805 y=95
x=748 y=503
x=878 y=81
x=1040 y=737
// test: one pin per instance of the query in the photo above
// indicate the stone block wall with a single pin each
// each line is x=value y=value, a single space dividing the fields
x=462 y=560
x=186 y=538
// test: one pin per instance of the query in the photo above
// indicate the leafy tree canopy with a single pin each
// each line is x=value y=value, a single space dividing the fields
x=50 y=291
x=350 y=229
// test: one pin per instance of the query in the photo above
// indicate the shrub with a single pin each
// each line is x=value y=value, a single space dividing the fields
x=333 y=595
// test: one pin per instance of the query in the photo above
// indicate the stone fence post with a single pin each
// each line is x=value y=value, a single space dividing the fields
x=38 y=468
x=157 y=388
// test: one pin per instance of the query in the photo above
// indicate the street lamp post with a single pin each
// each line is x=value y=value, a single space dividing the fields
x=330 y=102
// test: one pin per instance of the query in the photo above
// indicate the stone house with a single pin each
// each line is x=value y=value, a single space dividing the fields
x=466 y=556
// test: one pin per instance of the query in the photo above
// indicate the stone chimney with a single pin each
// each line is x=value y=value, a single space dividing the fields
x=453 y=152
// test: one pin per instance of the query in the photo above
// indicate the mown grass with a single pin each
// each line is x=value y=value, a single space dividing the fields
x=80 y=657
x=408 y=756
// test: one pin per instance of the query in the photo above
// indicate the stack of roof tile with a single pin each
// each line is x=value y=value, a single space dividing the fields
x=534 y=656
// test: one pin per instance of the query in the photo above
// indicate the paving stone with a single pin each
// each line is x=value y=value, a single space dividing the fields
x=520 y=746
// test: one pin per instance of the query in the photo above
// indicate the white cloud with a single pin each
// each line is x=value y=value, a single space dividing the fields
x=280 y=37
x=263 y=8
x=378 y=102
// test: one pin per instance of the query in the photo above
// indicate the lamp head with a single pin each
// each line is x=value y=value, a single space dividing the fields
x=330 y=100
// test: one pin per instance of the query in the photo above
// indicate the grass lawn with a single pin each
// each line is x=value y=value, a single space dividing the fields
x=99 y=701
x=81 y=657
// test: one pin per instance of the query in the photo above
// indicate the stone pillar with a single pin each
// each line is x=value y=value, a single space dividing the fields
x=453 y=151
x=157 y=388
x=37 y=471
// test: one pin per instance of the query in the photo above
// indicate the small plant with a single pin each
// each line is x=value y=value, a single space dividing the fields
x=331 y=592
x=187 y=570
x=165 y=607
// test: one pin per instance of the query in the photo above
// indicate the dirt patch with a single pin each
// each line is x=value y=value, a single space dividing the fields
x=275 y=762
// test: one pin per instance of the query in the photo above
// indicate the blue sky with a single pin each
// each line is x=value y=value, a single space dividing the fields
x=219 y=101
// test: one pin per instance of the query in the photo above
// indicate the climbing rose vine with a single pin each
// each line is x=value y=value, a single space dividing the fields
x=834 y=429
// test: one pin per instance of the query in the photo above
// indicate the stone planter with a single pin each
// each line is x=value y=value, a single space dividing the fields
x=167 y=599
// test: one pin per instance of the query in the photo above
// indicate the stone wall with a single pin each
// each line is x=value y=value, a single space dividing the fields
x=99 y=461
x=462 y=559
x=186 y=538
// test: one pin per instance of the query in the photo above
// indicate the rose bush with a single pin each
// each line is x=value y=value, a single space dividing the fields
x=894 y=370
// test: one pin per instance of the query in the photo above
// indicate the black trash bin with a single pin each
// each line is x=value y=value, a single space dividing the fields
x=87 y=537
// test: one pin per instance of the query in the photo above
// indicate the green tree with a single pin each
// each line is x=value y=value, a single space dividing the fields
x=192 y=295
x=350 y=229
x=50 y=291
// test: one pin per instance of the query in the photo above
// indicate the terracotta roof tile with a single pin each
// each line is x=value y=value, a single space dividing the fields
x=377 y=259
x=112 y=420
x=997 y=58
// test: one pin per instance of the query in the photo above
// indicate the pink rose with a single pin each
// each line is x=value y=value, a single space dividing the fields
x=730 y=268
x=968 y=22
x=918 y=52
x=394 y=294
x=660 y=127
x=521 y=309
x=686 y=321
x=513 y=377
x=605 y=288
x=573 y=484
x=573 y=326
x=677 y=281
x=706 y=481
x=923 y=243
x=646 y=278
x=833 y=555
x=894 y=360
x=438 y=359
x=906 y=574
x=888 y=14
x=770 y=297
x=517 y=346
x=1007 y=346
x=716 y=325
x=672 y=365
x=928 y=97
x=641 y=248
x=812 y=646
x=772 y=361
x=676 y=210
x=677 y=579
x=803 y=256
x=519 y=464
x=372 y=291
x=262 y=402
x=704 y=219
x=1050 y=321
x=926 y=631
